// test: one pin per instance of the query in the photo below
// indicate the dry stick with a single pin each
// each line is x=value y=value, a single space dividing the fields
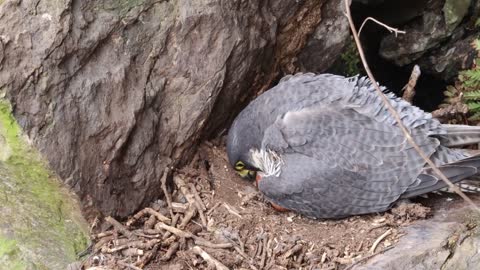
x=170 y=252
x=265 y=250
x=168 y=196
x=191 y=212
x=292 y=251
x=102 y=234
x=205 y=243
x=367 y=257
x=130 y=266
x=395 y=114
x=174 y=223
x=379 y=239
x=148 y=256
x=177 y=232
x=119 y=227
x=148 y=225
x=144 y=212
x=179 y=207
x=144 y=234
x=213 y=208
x=98 y=246
x=242 y=244
x=190 y=198
x=197 y=240
x=130 y=252
x=391 y=29
x=230 y=209
x=409 y=89
x=197 y=197
x=135 y=244
x=170 y=240
x=209 y=259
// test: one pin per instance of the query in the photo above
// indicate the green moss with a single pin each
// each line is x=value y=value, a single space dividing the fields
x=454 y=11
x=42 y=216
x=10 y=255
x=348 y=64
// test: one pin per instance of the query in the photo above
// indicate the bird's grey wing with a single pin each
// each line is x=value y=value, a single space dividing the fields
x=339 y=162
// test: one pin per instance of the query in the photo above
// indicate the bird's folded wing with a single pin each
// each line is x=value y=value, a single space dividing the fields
x=337 y=158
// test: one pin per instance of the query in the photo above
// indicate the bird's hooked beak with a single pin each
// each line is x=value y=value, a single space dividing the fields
x=244 y=172
x=247 y=174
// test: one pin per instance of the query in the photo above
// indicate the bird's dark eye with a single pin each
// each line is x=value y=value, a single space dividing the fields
x=239 y=166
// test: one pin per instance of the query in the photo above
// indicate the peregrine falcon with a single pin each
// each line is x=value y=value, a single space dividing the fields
x=327 y=147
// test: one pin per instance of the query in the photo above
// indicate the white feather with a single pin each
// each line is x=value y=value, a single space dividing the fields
x=268 y=161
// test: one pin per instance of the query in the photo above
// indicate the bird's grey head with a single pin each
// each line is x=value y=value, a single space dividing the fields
x=244 y=135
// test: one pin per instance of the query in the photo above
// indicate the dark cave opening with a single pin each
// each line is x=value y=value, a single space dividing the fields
x=429 y=89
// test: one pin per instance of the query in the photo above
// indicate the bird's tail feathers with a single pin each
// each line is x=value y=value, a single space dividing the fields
x=460 y=135
x=428 y=180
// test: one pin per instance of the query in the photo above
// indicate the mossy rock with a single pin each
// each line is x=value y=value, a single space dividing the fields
x=454 y=11
x=41 y=226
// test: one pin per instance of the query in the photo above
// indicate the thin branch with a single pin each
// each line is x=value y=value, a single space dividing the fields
x=395 y=114
x=379 y=239
x=389 y=28
x=209 y=259
x=409 y=89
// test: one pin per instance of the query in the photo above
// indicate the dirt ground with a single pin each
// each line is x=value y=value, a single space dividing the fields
x=234 y=227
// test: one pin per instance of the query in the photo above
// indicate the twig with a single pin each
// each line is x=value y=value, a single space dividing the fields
x=167 y=194
x=155 y=234
x=98 y=246
x=451 y=110
x=148 y=256
x=132 y=252
x=179 y=207
x=102 y=234
x=209 y=259
x=121 y=241
x=271 y=254
x=119 y=227
x=135 y=244
x=173 y=224
x=389 y=28
x=213 y=208
x=190 y=197
x=292 y=251
x=395 y=114
x=191 y=212
x=144 y=212
x=177 y=232
x=242 y=244
x=197 y=197
x=131 y=266
x=265 y=250
x=379 y=239
x=367 y=257
x=170 y=240
x=170 y=252
x=205 y=243
x=148 y=225
x=409 y=89
x=231 y=210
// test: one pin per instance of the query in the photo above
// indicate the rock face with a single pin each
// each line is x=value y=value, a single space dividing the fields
x=335 y=27
x=112 y=92
x=438 y=39
x=450 y=241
